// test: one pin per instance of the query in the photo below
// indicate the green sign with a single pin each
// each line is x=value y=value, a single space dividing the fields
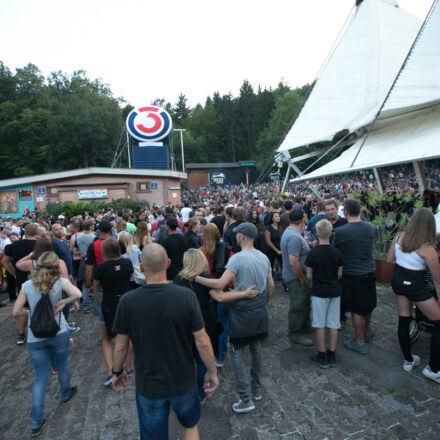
x=247 y=164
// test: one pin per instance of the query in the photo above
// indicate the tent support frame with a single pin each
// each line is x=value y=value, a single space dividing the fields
x=420 y=175
x=379 y=179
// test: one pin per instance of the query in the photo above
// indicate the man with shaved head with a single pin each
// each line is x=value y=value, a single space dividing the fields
x=162 y=320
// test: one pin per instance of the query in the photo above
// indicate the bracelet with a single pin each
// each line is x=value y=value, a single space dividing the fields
x=117 y=373
x=193 y=279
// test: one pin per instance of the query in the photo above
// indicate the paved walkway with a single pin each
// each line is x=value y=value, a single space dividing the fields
x=366 y=397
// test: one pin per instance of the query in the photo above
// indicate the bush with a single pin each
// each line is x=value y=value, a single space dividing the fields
x=71 y=209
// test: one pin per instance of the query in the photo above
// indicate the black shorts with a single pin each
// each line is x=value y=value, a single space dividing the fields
x=359 y=293
x=410 y=283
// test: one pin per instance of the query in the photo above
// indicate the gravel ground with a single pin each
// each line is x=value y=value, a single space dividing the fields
x=365 y=397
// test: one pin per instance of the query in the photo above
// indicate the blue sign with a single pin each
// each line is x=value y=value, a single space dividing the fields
x=153 y=186
x=42 y=191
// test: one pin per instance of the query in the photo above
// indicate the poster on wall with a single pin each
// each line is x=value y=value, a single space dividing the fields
x=8 y=202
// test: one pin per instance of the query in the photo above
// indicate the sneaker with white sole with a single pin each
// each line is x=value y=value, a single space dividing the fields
x=427 y=372
x=243 y=407
x=109 y=380
x=257 y=396
x=74 y=330
x=408 y=366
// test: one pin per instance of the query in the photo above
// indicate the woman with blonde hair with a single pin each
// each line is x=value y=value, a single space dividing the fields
x=195 y=263
x=133 y=253
x=47 y=280
x=142 y=237
x=413 y=250
x=121 y=226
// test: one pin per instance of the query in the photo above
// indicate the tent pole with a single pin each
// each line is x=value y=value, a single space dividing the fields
x=420 y=174
x=300 y=173
x=286 y=179
x=379 y=180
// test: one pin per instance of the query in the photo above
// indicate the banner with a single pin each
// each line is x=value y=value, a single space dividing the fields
x=92 y=194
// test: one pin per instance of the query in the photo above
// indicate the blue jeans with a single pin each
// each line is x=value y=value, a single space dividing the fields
x=222 y=317
x=54 y=349
x=85 y=297
x=153 y=414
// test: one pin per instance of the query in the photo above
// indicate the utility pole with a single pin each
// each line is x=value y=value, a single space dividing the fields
x=128 y=150
x=181 y=146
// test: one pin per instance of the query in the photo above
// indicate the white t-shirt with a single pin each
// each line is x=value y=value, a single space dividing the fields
x=341 y=211
x=185 y=213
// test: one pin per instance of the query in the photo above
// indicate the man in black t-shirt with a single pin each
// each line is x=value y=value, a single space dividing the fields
x=331 y=211
x=230 y=237
x=13 y=253
x=175 y=245
x=219 y=219
x=162 y=320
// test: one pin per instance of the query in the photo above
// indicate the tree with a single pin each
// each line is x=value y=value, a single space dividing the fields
x=286 y=108
x=181 y=110
x=87 y=121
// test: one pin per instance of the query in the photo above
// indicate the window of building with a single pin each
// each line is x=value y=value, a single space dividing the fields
x=143 y=187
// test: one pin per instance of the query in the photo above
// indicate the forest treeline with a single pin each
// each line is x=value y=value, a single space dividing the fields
x=68 y=121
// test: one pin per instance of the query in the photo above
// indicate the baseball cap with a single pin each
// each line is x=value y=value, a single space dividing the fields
x=14 y=234
x=296 y=214
x=105 y=226
x=247 y=229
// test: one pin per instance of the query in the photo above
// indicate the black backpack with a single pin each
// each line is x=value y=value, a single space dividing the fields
x=43 y=323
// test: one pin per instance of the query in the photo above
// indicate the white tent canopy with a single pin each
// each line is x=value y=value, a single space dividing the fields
x=410 y=137
x=408 y=128
x=359 y=74
x=419 y=83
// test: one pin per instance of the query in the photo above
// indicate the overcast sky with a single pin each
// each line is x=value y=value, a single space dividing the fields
x=158 y=49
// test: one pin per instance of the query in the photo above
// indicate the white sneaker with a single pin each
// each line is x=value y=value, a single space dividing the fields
x=430 y=375
x=243 y=407
x=408 y=366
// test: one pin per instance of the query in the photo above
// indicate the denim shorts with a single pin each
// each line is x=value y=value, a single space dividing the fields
x=101 y=317
x=153 y=413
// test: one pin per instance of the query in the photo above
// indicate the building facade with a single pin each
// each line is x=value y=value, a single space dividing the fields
x=23 y=194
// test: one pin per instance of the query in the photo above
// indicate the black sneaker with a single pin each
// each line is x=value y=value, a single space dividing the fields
x=21 y=338
x=331 y=358
x=320 y=360
x=39 y=430
x=73 y=391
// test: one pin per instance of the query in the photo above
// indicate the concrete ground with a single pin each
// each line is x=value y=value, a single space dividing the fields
x=365 y=397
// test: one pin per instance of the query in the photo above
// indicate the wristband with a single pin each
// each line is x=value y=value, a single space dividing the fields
x=193 y=279
x=117 y=373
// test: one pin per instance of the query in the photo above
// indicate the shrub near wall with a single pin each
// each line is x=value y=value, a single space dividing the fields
x=71 y=209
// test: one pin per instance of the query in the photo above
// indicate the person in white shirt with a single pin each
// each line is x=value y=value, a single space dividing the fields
x=185 y=212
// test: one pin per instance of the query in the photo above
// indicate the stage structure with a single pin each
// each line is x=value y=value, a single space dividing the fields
x=149 y=125
x=378 y=93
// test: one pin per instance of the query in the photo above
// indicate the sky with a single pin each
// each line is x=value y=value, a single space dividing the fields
x=146 y=49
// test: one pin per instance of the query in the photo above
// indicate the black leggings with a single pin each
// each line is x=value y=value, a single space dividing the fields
x=405 y=344
x=272 y=257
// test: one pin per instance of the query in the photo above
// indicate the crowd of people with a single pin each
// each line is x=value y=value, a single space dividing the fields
x=178 y=288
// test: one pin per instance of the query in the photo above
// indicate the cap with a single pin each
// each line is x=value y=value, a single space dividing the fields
x=247 y=229
x=105 y=226
x=61 y=217
x=296 y=214
x=15 y=234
